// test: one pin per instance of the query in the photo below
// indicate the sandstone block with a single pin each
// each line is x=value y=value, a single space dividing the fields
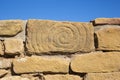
x=96 y=62
x=62 y=77
x=1 y=48
x=3 y=72
x=41 y=64
x=103 y=21
x=10 y=27
x=13 y=46
x=51 y=36
x=5 y=63
x=103 y=76
x=108 y=38
x=14 y=78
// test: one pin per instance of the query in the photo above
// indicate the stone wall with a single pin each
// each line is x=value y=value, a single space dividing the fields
x=53 y=50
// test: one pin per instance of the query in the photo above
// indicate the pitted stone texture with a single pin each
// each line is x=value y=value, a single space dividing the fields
x=13 y=46
x=41 y=64
x=50 y=36
x=62 y=77
x=3 y=72
x=104 y=21
x=108 y=38
x=14 y=78
x=103 y=76
x=1 y=48
x=96 y=62
x=10 y=27
x=5 y=63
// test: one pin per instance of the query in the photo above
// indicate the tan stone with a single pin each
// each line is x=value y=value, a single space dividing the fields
x=14 y=78
x=10 y=27
x=1 y=48
x=13 y=46
x=3 y=72
x=62 y=77
x=5 y=63
x=103 y=76
x=102 y=21
x=51 y=36
x=41 y=64
x=108 y=38
x=96 y=62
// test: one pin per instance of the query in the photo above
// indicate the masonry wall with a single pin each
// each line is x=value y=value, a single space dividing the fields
x=53 y=50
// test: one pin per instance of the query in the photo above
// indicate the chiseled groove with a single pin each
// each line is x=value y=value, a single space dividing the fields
x=70 y=30
x=29 y=40
x=79 y=35
x=86 y=36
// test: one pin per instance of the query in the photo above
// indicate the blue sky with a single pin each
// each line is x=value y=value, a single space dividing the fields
x=61 y=10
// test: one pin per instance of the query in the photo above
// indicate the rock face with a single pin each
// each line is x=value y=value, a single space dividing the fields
x=5 y=63
x=96 y=62
x=10 y=27
x=103 y=21
x=1 y=48
x=108 y=38
x=13 y=46
x=52 y=36
x=41 y=64
x=62 y=77
x=103 y=76
x=3 y=72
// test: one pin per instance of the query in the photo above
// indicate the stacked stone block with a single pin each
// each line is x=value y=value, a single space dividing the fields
x=54 y=50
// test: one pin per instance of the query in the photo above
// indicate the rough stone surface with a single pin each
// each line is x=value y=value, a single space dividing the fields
x=108 y=38
x=62 y=77
x=3 y=72
x=5 y=63
x=41 y=64
x=14 y=78
x=103 y=76
x=13 y=46
x=103 y=21
x=10 y=27
x=50 y=36
x=1 y=48
x=96 y=62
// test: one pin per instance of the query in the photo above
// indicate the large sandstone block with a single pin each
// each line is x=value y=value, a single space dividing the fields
x=41 y=64
x=13 y=46
x=108 y=37
x=104 y=21
x=96 y=62
x=51 y=36
x=1 y=48
x=10 y=27
x=14 y=78
x=103 y=76
x=62 y=77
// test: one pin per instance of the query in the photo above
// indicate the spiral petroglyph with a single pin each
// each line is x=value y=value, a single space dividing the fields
x=51 y=36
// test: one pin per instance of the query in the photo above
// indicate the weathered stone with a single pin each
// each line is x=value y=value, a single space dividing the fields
x=108 y=38
x=103 y=21
x=3 y=72
x=52 y=36
x=1 y=48
x=14 y=78
x=96 y=62
x=103 y=76
x=5 y=63
x=41 y=64
x=13 y=46
x=10 y=27
x=62 y=77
